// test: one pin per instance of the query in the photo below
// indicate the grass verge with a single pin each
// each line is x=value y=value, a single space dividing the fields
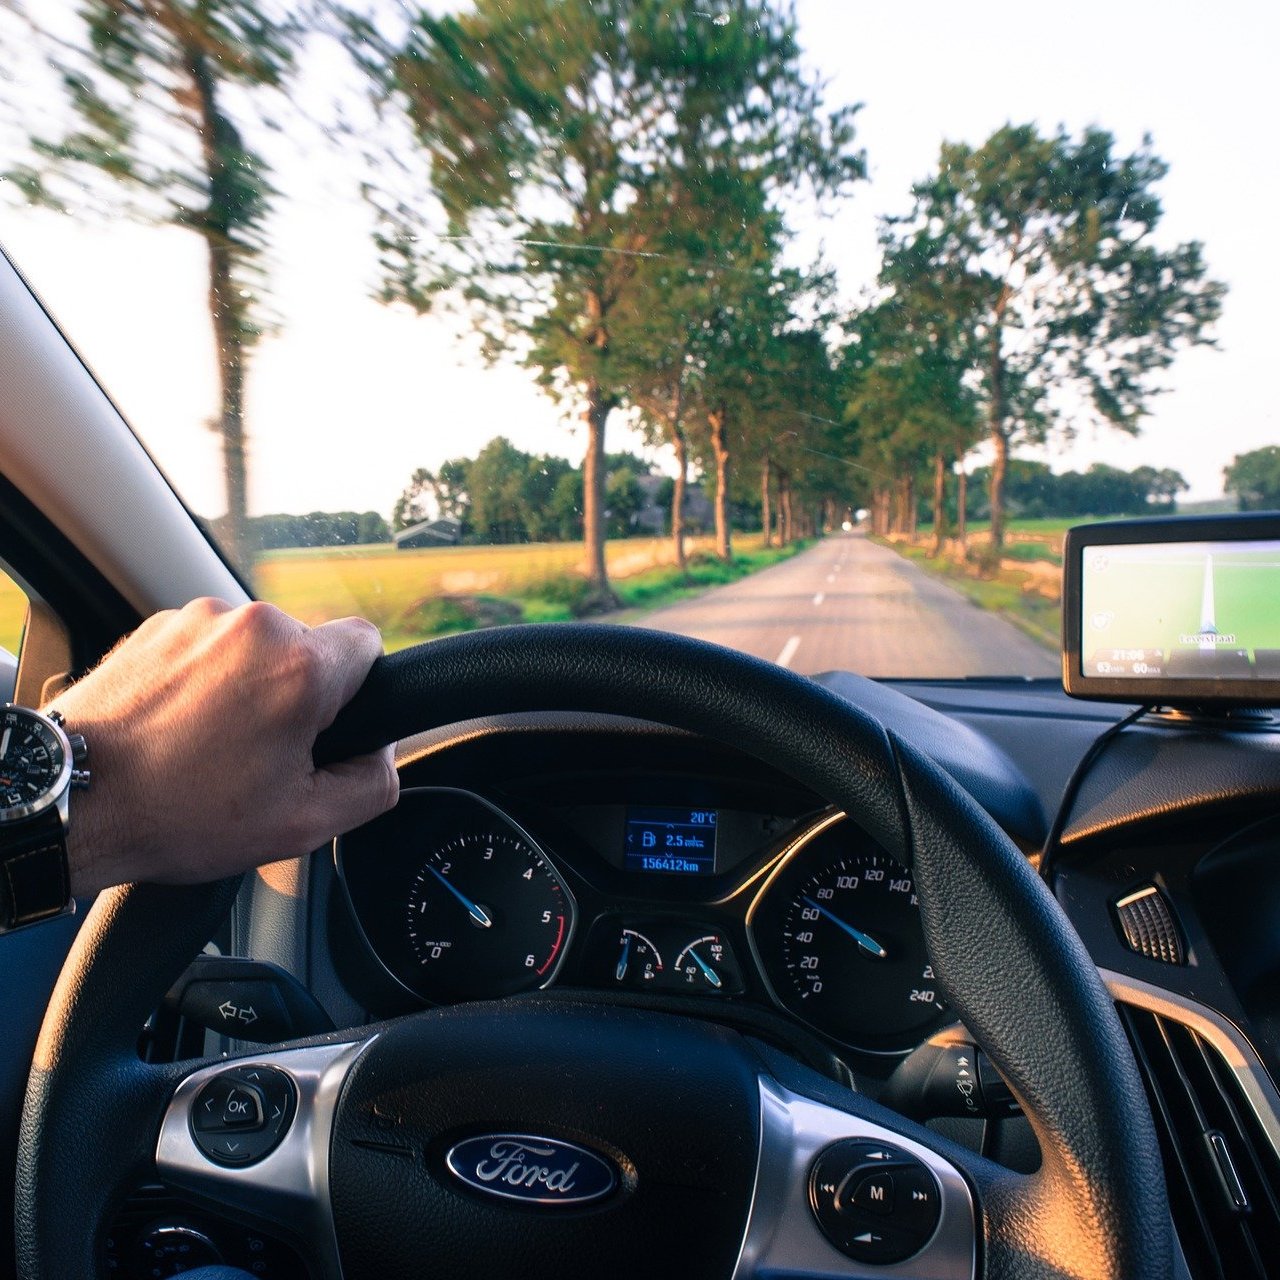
x=416 y=595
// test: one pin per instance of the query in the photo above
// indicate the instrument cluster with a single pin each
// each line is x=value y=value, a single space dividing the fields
x=457 y=899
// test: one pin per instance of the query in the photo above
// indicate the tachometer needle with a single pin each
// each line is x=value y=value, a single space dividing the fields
x=707 y=971
x=474 y=910
x=864 y=940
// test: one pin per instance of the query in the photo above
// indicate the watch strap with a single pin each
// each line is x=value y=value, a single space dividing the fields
x=34 y=880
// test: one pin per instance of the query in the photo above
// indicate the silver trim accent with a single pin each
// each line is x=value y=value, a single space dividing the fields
x=1231 y=1044
x=289 y=1187
x=783 y=1239
x=524 y=835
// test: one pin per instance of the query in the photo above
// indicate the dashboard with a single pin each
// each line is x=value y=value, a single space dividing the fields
x=561 y=857
x=654 y=885
x=555 y=856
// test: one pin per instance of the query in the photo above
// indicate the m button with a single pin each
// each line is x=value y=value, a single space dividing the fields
x=874 y=1193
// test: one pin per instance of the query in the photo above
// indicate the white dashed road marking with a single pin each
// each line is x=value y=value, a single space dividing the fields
x=788 y=651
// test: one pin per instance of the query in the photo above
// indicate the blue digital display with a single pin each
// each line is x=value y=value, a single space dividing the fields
x=676 y=841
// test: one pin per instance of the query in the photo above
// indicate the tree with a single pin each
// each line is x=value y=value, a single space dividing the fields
x=496 y=480
x=1254 y=478
x=549 y=126
x=1047 y=241
x=157 y=92
x=435 y=493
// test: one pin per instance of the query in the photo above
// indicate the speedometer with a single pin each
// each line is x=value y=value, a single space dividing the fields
x=838 y=931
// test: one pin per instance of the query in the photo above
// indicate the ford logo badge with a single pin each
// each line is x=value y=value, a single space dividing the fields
x=543 y=1171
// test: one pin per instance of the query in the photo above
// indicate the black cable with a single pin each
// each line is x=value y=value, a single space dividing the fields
x=1074 y=783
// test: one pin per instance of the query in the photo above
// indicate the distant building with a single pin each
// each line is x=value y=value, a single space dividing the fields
x=654 y=518
x=444 y=532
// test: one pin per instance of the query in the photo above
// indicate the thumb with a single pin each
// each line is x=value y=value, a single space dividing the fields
x=352 y=792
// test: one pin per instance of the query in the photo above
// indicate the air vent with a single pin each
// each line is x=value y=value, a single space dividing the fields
x=1222 y=1171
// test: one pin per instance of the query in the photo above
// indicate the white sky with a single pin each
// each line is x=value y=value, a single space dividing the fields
x=349 y=397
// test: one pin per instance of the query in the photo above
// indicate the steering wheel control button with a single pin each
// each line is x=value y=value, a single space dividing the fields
x=874 y=1193
x=242 y=1114
x=243 y=1108
x=917 y=1206
x=877 y=1204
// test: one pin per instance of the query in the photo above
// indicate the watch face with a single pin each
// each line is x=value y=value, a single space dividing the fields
x=31 y=761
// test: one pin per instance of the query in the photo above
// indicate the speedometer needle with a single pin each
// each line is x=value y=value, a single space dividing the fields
x=864 y=940
x=474 y=910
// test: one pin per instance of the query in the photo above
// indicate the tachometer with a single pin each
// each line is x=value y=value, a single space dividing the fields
x=455 y=899
x=486 y=916
x=839 y=933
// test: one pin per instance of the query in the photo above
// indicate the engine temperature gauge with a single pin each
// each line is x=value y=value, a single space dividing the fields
x=706 y=964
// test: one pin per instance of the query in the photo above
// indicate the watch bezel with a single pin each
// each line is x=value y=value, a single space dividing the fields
x=56 y=789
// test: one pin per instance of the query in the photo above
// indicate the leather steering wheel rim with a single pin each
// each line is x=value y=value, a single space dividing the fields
x=1010 y=964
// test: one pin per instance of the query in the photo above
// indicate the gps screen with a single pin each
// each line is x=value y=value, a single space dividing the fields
x=1181 y=611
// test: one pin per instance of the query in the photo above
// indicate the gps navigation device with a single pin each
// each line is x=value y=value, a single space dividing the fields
x=1178 y=610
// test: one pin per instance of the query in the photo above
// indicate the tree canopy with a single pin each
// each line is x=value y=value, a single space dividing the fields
x=1254 y=478
x=1044 y=249
x=156 y=94
x=564 y=139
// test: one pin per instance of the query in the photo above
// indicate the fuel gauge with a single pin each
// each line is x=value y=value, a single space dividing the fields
x=639 y=963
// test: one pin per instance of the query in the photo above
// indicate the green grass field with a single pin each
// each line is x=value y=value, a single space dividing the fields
x=413 y=595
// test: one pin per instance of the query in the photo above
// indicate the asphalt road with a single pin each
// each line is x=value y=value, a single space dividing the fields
x=848 y=604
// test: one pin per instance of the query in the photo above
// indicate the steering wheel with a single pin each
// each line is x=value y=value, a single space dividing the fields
x=700 y=1144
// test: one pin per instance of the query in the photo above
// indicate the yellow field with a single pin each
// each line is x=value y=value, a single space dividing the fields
x=385 y=585
x=13 y=613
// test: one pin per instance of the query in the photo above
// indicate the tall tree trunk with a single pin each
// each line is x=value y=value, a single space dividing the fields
x=221 y=153
x=227 y=328
x=899 y=518
x=962 y=502
x=677 y=496
x=784 y=501
x=766 y=506
x=913 y=508
x=1000 y=442
x=720 y=448
x=999 y=469
x=939 y=502
x=597 y=413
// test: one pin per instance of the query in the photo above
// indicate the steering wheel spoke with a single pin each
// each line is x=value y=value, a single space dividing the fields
x=284 y=1101
x=833 y=1188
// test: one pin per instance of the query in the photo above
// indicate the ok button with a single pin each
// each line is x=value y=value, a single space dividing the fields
x=242 y=1108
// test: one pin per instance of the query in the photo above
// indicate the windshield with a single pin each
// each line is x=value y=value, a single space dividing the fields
x=805 y=329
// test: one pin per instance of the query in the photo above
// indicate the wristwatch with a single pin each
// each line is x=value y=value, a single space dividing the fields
x=40 y=763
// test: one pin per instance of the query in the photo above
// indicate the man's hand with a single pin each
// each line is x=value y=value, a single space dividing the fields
x=200 y=727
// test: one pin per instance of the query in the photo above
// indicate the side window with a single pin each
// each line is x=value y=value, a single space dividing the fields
x=13 y=619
